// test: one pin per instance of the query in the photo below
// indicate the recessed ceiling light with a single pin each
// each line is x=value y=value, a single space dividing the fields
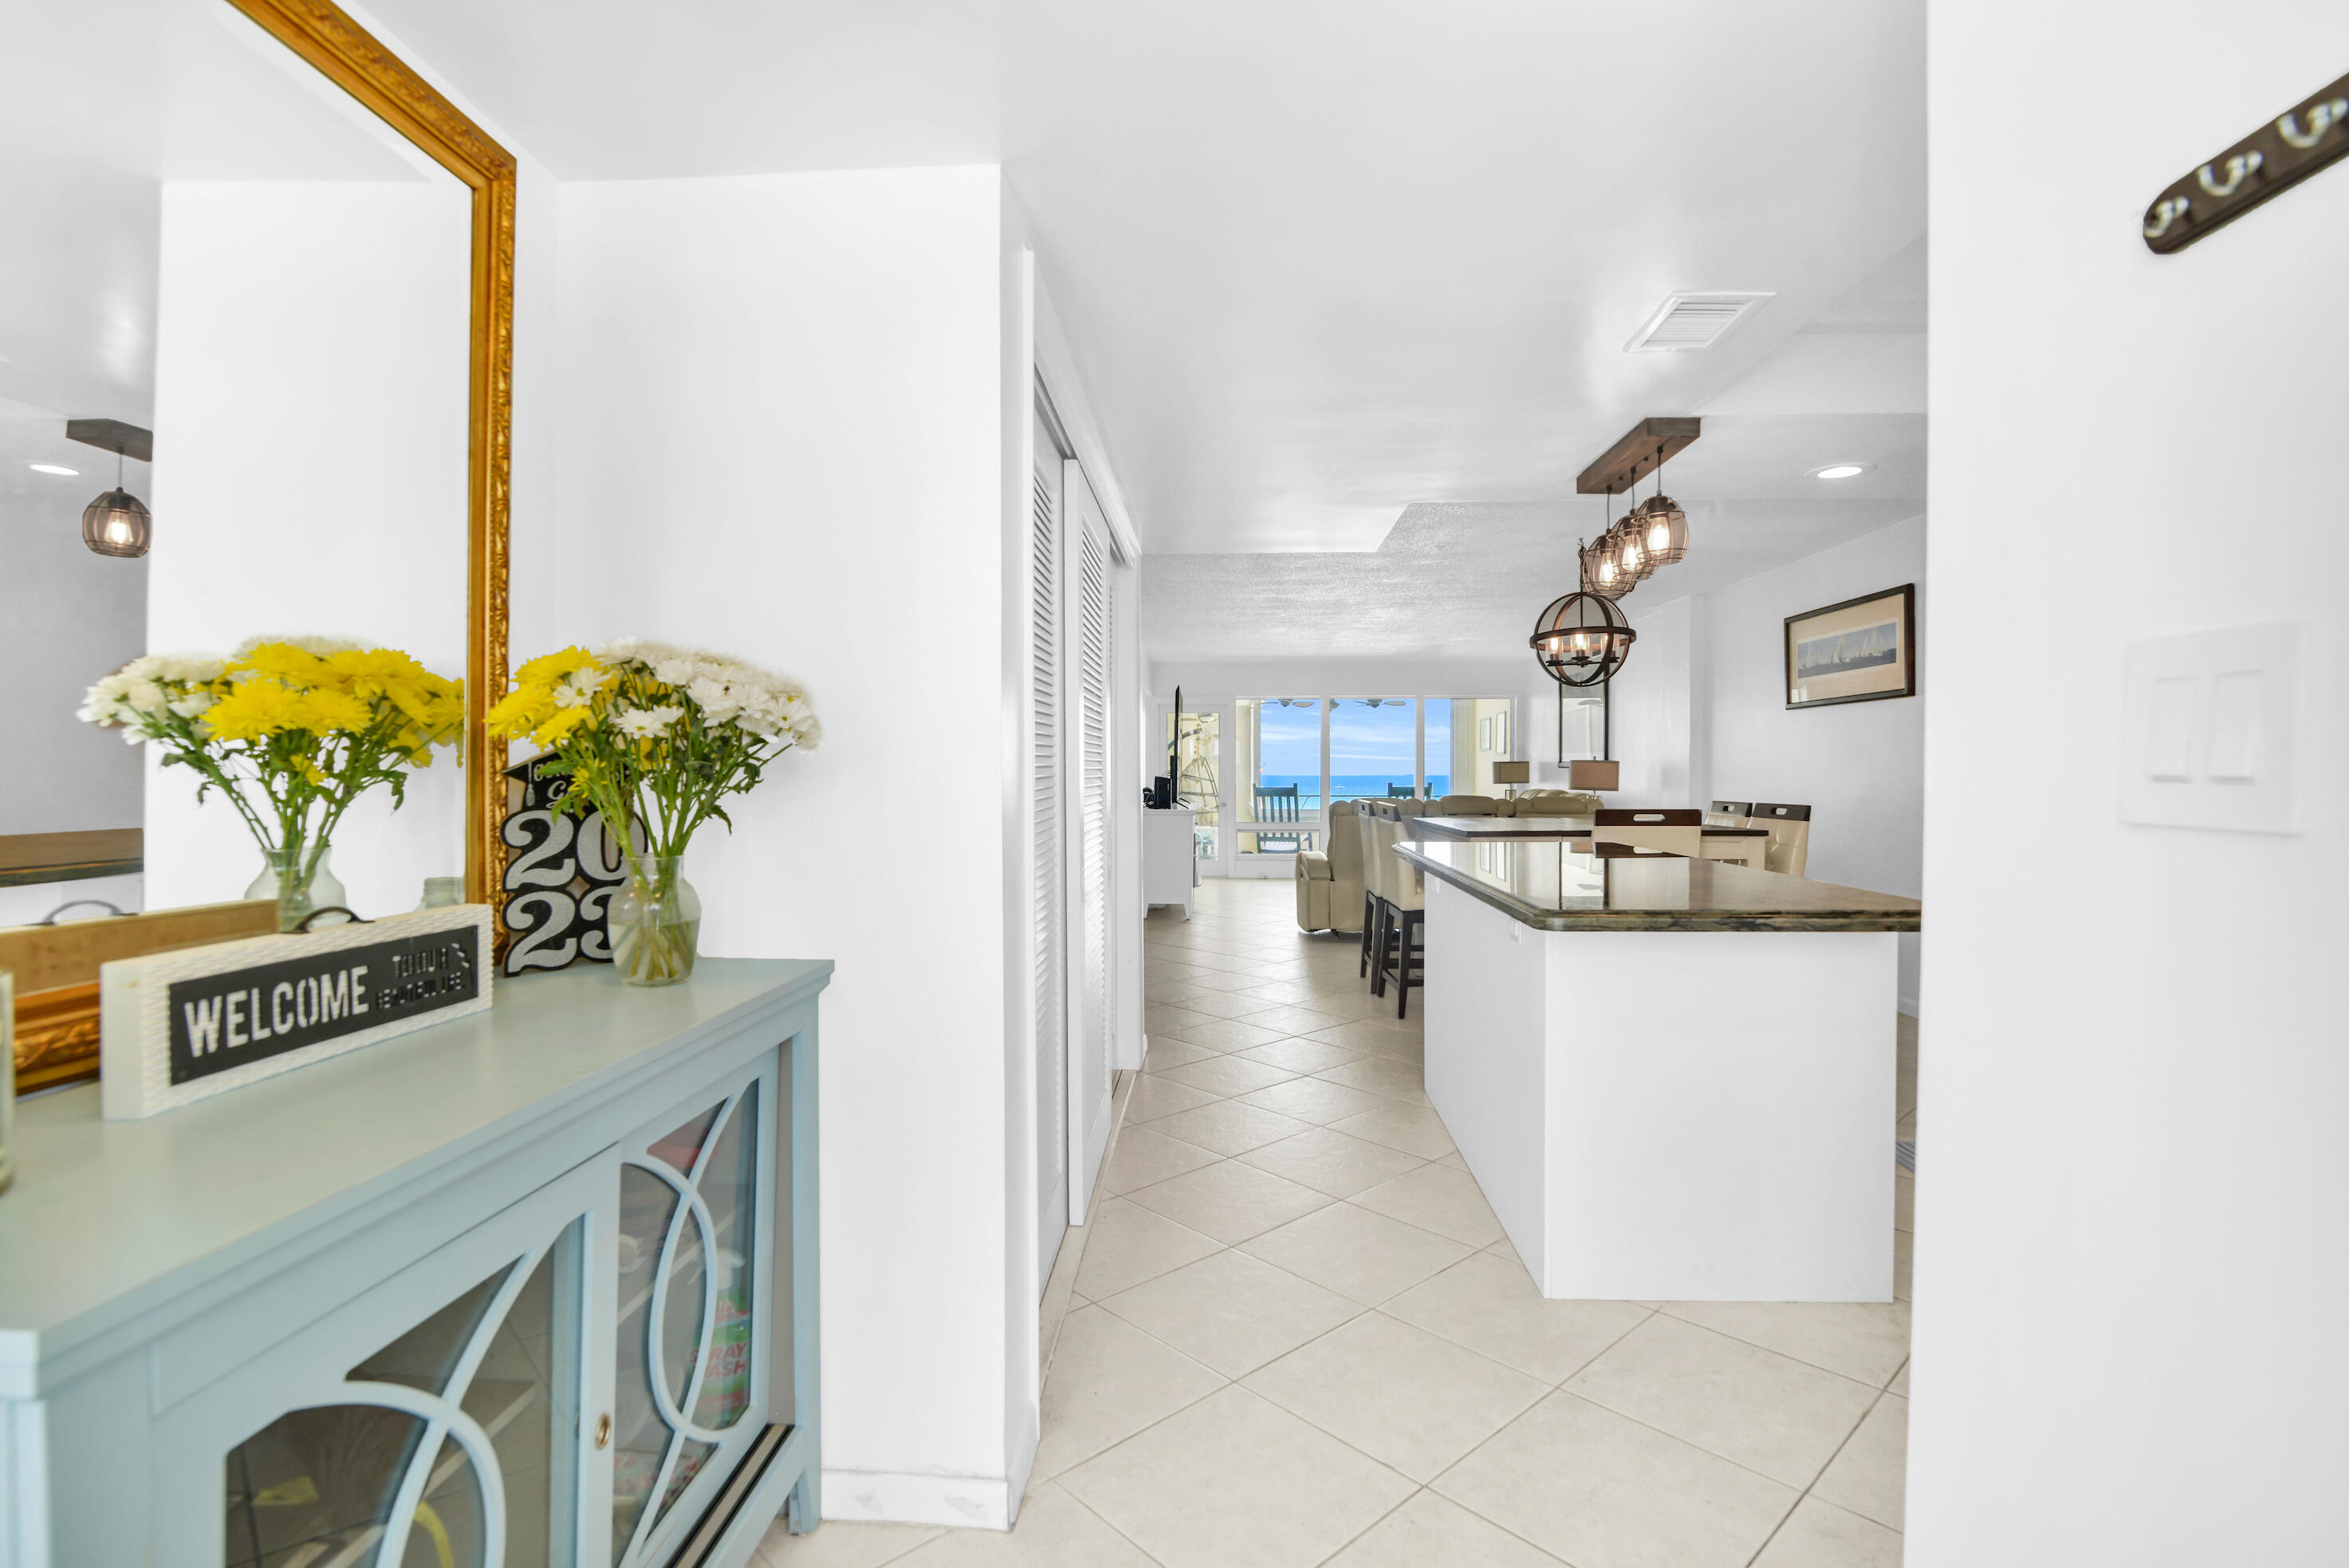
x=1839 y=470
x=53 y=469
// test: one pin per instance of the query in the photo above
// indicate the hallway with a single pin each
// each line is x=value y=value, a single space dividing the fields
x=1296 y=1333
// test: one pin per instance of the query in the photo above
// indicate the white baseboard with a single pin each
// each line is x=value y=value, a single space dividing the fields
x=890 y=1497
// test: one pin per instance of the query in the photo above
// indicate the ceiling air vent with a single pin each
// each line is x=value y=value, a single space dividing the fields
x=1687 y=320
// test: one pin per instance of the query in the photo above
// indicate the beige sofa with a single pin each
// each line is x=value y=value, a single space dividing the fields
x=1550 y=803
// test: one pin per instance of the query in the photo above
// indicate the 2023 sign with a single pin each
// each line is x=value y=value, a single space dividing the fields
x=560 y=884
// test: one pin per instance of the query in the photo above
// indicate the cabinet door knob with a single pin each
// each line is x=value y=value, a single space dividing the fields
x=603 y=1431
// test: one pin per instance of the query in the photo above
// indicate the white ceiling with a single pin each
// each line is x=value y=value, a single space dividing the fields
x=1331 y=263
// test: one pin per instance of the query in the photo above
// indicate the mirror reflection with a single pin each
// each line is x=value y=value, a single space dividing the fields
x=234 y=338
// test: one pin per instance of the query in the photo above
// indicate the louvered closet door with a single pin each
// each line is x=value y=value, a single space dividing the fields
x=1089 y=894
x=1050 y=824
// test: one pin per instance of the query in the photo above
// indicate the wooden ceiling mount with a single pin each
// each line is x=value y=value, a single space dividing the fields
x=1646 y=445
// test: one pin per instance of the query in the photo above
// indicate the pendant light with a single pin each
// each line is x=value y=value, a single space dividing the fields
x=118 y=523
x=1665 y=525
x=1582 y=639
x=1602 y=565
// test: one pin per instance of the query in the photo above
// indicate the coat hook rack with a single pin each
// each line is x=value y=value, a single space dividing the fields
x=2286 y=150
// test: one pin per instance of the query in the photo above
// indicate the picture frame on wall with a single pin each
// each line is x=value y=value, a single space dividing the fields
x=1485 y=733
x=1860 y=650
x=1584 y=732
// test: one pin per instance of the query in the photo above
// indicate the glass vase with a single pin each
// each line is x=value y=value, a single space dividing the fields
x=655 y=921
x=281 y=879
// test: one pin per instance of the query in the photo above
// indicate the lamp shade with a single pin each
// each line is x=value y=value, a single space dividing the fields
x=1513 y=772
x=117 y=524
x=1586 y=774
x=1582 y=639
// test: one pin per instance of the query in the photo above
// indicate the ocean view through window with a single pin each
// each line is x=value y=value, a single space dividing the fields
x=1293 y=756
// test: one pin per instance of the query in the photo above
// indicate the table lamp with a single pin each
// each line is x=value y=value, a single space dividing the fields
x=1594 y=775
x=1512 y=774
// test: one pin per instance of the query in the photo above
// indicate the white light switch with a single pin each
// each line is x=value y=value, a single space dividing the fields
x=2208 y=731
x=2170 y=731
x=2237 y=697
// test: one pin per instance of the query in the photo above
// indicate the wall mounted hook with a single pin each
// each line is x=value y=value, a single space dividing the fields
x=2166 y=212
x=2321 y=118
x=2239 y=167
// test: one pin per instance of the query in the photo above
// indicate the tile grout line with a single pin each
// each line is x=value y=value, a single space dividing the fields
x=1107 y=1522
x=1815 y=1480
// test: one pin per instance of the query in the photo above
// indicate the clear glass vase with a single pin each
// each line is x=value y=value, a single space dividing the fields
x=655 y=921
x=281 y=879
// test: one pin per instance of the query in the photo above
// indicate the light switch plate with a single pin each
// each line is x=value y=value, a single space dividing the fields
x=2210 y=730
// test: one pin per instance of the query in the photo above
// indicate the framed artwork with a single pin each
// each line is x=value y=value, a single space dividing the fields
x=1583 y=733
x=1859 y=650
x=1501 y=733
x=1485 y=733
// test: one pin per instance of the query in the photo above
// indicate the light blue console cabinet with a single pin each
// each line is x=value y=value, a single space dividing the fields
x=533 y=1288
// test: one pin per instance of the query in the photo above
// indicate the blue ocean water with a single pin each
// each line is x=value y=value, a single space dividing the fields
x=1350 y=786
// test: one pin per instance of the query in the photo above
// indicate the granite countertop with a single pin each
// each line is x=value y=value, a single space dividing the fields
x=1532 y=828
x=1559 y=885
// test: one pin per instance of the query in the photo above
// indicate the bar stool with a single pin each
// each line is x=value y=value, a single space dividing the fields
x=1403 y=949
x=1366 y=826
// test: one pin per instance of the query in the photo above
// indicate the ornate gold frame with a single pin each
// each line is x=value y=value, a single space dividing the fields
x=57 y=1030
x=350 y=57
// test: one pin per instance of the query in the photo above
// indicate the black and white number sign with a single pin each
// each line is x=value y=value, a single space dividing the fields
x=561 y=877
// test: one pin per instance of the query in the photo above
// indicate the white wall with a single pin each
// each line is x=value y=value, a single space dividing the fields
x=1654 y=716
x=1700 y=712
x=2128 y=1342
x=1859 y=766
x=67 y=615
x=310 y=452
x=783 y=433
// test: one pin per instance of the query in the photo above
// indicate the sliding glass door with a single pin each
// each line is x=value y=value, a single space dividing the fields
x=1277 y=756
x=1373 y=749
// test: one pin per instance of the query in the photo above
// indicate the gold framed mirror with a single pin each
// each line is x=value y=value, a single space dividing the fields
x=266 y=270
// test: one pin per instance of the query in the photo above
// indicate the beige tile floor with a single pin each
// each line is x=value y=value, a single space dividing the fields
x=1298 y=1335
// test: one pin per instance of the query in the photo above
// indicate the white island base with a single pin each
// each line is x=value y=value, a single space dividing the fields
x=1671 y=1115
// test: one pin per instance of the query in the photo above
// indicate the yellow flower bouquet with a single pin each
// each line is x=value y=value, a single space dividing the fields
x=290 y=730
x=653 y=738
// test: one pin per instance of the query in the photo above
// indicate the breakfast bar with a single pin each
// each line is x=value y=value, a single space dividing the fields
x=1674 y=1078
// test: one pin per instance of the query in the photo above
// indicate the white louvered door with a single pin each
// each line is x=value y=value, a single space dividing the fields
x=1047 y=790
x=1090 y=901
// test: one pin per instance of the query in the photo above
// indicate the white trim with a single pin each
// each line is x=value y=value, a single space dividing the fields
x=898 y=1497
x=1057 y=367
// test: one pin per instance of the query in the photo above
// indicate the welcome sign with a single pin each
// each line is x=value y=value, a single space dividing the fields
x=182 y=1027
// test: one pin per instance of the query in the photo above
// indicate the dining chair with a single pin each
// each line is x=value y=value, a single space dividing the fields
x=1790 y=835
x=1728 y=813
x=1678 y=830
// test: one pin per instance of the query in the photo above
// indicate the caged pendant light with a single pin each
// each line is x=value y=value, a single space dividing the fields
x=1582 y=639
x=1663 y=525
x=1602 y=565
x=117 y=523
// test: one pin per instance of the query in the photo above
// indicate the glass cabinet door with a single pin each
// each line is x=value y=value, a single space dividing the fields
x=453 y=1445
x=692 y=1259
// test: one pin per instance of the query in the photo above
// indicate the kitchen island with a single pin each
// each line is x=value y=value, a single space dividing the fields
x=1672 y=1078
